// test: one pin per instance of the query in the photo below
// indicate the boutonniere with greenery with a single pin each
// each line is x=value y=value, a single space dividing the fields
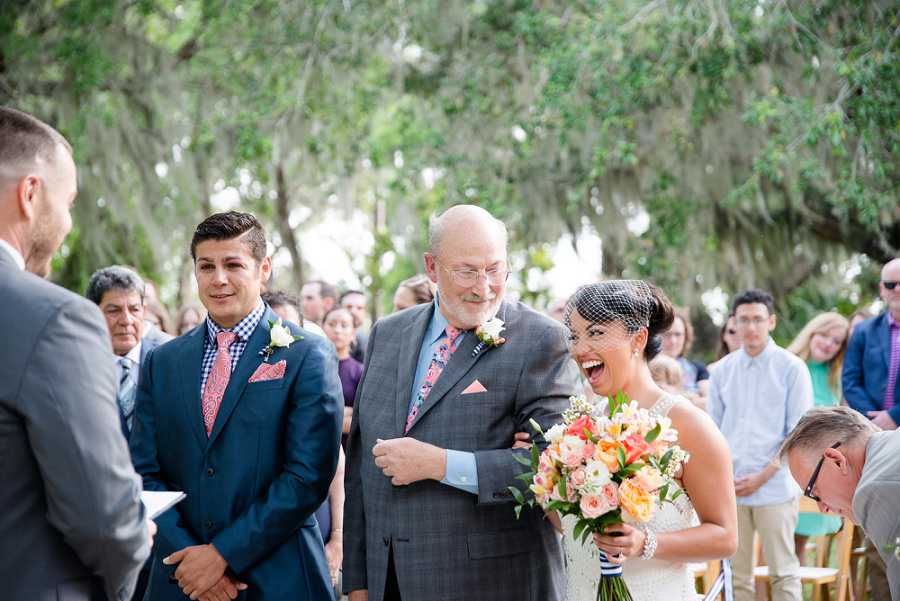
x=281 y=336
x=488 y=335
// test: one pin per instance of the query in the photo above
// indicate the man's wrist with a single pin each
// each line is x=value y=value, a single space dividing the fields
x=440 y=464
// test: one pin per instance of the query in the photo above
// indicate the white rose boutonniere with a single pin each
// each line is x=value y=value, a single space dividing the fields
x=488 y=334
x=281 y=336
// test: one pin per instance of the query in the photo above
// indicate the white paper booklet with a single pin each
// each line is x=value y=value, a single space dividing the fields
x=157 y=502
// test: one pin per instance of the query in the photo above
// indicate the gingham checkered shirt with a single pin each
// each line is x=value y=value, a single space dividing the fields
x=243 y=329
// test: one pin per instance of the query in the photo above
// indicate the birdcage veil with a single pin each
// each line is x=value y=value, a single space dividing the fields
x=625 y=302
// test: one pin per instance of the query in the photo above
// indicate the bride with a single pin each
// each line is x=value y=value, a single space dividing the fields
x=615 y=329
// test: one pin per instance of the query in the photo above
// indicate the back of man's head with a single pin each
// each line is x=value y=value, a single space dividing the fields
x=26 y=144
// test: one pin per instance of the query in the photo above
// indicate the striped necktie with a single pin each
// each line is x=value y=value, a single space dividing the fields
x=127 y=392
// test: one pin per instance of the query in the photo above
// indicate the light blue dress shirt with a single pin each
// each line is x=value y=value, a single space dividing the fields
x=756 y=402
x=461 y=470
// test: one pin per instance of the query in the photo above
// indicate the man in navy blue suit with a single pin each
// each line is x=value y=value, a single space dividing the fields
x=872 y=361
x=119 y=292
x=245 y=418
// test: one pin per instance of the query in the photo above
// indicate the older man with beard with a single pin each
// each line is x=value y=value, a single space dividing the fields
x=429 y=460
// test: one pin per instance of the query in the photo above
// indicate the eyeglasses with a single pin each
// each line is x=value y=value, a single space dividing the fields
x=757 y=321
x=815 y=474
x=468 y=277
x=889 y=285
x=732 y=332
x=357 y=307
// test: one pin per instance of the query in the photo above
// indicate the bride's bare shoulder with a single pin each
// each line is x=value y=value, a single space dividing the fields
x=695 y=427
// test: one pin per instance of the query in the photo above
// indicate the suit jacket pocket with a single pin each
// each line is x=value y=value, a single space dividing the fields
x=264 y=385
x=483 y=545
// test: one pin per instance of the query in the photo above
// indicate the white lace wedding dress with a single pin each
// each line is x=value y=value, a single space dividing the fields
x=647 y=580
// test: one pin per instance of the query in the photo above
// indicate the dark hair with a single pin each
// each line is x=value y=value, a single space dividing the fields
x=589 y=302
x=277 y=298
x=113 y=277
x=753 y=295
x=721 y=347
x=326 y=290
x=684 y=314
x=24 y=140
x=349 y=292
x=225 y=226
x=336 y=308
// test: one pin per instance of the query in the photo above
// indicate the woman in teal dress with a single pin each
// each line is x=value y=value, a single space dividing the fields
x=821 y=343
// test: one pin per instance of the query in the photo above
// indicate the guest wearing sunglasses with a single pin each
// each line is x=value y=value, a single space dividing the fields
x=850 y=467
x=729 y=341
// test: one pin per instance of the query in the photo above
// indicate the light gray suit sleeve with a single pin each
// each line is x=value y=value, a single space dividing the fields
x=93 y=493
x=547 y=380
x=877 y=506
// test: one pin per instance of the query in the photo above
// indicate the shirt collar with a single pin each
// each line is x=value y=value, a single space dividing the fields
x=746 y=359
x=17 y=257
x=135 y=354
x=243 y=328
x=891 y=321
x=438 y=325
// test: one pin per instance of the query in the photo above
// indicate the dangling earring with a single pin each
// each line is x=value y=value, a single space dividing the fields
x=637 y=352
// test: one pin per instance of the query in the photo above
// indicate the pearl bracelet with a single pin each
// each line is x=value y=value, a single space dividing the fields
x=649 y=545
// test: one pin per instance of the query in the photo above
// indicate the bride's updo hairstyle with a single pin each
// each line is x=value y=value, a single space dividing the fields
x=633 y=303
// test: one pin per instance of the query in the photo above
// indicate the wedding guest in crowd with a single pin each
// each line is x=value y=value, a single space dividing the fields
x=821 y=343
x=245 y=421
x=157 y=323
x=70 y=500
x=287 y=306
x=676 y=344
x=338 y=326
x=859 y=316
x=416 y=290
x=869 y=380
x=556 y=308
x=851 y=468
x=355 y=302
x=429 y=514
x=666 y=372
x=729 y=341
x=189 y=317
x=756 y=397
x=316 y=298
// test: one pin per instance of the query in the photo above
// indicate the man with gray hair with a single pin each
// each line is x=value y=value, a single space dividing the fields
x=70 y=498
x=428 y=513
x=119 y=292
x=850 y=467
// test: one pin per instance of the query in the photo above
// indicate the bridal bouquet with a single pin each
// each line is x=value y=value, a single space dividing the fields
x=604 y=470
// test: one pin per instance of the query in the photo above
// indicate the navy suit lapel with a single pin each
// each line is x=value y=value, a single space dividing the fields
x=460 y=363
x=412 y=338
x=190 y=366
x=241 y=374
x=884 y=339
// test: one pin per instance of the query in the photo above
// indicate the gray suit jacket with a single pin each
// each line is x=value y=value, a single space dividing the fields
x=69 y=496
x=876 y=503
x=448 y=544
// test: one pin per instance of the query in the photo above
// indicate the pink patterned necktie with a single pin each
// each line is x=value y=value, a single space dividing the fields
x=441 y=356
x=217 y=380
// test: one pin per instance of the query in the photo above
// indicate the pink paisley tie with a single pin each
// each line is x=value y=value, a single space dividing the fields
x=217 y=380
x=441 y=356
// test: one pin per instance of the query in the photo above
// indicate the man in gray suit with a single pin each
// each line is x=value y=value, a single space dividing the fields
x=428 y=513
x=69 y=496
x=851 y=468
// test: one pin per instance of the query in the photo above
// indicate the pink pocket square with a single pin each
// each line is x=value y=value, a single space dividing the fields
x=474 y=387
x=267 y=371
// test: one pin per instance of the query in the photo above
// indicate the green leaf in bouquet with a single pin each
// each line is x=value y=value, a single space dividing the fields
x=517 y=494
x=664 y=491
x=654 y=433
x=590 y=436
x=562 y=489
x=666 y=458
x=580 y=525
x=535 y=455
x=677 y=494
x=518 y=511
x=620 y=453
x=523 y=460
x=630 y=469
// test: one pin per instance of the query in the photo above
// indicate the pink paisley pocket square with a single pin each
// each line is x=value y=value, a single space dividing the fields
x=267 y=371
x=474 y=387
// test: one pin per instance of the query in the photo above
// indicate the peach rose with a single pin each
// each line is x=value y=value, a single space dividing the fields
x=634 y=500
x=569 y=457
x=648 y=479
x=593 y=506
x=610 y=494
x=577 y=477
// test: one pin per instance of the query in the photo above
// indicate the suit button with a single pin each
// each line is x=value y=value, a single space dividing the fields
x=386 y=541
x=209 y=472
x=207 y=524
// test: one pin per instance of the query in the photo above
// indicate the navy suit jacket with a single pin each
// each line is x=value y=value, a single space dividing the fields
x=865 y=373
x=253 y=485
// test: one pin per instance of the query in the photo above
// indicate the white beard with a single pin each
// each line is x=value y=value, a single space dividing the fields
x=470 y=318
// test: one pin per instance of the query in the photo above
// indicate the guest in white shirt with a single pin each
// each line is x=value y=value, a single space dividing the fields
x=757 y=395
